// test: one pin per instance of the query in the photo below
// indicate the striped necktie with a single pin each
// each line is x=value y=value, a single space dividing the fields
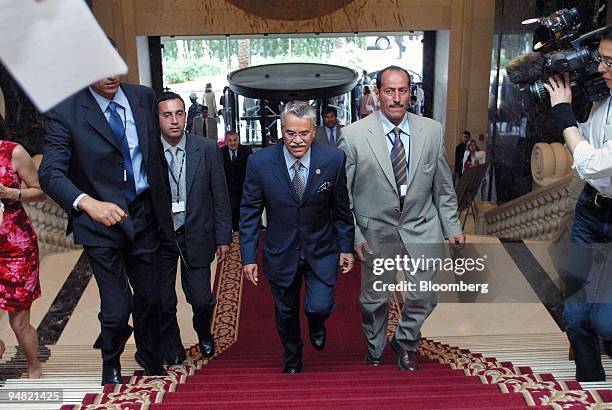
x=398 y=160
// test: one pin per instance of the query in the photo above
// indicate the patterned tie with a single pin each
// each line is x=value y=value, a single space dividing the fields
x=175 y=183
x=116 y=124
x=332 y=138
x=297 y=181
x=233 y=156
x=398 y=159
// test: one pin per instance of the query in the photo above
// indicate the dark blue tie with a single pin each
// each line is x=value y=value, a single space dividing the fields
x=116 y=124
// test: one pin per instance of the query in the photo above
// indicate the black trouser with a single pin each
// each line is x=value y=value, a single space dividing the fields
x=115 y=269
x=318 y=305
x=195 y=282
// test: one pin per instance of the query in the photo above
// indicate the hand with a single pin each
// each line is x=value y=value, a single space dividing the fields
x=222 y=252
x=457 y=241
x=362 y=247
x=106 y=213
x=559 y=89
x=8 y=193
x=347 y=260
x=250 y=271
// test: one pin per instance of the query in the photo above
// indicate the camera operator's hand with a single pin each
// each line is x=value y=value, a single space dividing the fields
x=559 y=89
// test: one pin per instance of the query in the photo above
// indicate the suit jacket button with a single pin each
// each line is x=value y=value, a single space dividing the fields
x=396 y=209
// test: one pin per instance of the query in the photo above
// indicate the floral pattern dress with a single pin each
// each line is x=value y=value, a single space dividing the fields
x=19 y=267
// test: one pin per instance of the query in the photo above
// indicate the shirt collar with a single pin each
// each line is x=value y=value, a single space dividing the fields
x=181 y=144
x=388 y=126
x=290 y=159
x=119 y=97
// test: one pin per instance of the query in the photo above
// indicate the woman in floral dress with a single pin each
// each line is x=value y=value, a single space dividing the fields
x=19 y=284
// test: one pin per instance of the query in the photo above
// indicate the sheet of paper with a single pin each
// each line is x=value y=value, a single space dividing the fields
x=54 y=48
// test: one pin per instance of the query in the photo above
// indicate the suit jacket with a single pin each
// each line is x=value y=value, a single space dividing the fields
x=430 y=207
x=321 y=134
x=320 y=225
x=235 y=171
x=211 y=127
x=81 y=155
x=208 y=221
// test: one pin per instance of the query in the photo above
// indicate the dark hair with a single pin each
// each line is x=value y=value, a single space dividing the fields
x=413 y=98
x=366 y=89
x=231 y=132
x=379 y=75
x=329 y=109
x=468 y=133
x=166 y=96
x=607 y=34
x=470 y=143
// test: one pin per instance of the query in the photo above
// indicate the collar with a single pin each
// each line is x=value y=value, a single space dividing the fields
x=181 y=144
x=388 y=125
x=290 y=159
x=119 y=97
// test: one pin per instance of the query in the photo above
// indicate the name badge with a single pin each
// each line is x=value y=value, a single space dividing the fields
x=178 y=207
x=403 y=190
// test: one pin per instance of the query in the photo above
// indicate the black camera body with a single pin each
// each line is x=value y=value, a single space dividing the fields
x=560 y=50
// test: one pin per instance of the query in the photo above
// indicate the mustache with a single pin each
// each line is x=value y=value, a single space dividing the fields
x=297 y=145
x=396 y=106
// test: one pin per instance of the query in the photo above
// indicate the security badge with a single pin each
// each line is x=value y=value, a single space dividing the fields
x=178 y=207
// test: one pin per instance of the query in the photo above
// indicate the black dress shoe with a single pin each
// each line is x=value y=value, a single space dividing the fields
x=176 y=359
x=317 y=335
x=406 y=359
x=371 y=360
x=292 y=370
x=111 y=373
x=207 y=346
x=148 y=370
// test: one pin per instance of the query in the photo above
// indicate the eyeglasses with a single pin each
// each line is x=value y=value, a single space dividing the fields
x=293 y=134
x=389 y=92
x=607 y=62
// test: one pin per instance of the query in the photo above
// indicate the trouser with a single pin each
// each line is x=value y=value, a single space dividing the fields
x=196 y=285
x=115 y=269
x=588 y=320
x=319 y=303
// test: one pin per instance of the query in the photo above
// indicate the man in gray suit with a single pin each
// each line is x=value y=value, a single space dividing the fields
x=205 y=126
x=330 y=132
x=202 y=224
x=403 y=202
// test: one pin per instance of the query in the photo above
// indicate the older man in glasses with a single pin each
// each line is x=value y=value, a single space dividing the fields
x=310 y=231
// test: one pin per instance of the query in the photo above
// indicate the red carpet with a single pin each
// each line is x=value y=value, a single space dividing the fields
x=246 y=373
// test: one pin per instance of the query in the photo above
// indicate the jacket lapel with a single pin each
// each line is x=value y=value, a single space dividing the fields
x=95 y=117
x=376 y=139
x=417 y=143
x=194 y=155
x=280 y=171
x=140 y=118
x=313 y=175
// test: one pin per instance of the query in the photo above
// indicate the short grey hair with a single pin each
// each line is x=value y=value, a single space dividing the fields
x=300 y=109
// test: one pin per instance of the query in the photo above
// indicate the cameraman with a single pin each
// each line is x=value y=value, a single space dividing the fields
x=592 y=151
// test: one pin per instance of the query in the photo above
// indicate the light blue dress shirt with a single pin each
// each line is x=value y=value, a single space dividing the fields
x=140 y=176
x=388 y=127
x=329 y=130
x=304 y=164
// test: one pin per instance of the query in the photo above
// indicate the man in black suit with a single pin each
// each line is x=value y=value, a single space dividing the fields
x=201 y=222
x=235 y=156
x=103 y=165
x=460 y=152
x=330 y=132
x=310 y=231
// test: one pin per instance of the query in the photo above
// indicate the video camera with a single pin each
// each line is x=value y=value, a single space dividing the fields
x=560 y=49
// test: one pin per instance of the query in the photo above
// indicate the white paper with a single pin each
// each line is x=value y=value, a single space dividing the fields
x=403 y=189
x=54 y=48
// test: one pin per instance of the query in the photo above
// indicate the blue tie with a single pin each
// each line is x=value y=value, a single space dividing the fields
x=116 y=124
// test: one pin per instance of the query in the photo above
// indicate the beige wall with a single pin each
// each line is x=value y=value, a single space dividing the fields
x=470 y=23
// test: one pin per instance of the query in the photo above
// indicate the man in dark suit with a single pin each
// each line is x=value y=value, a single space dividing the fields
x=103 y=165
x=235 y=156
x=310 y=231
x=330 y=132
x=201 y=222
x=460 y=152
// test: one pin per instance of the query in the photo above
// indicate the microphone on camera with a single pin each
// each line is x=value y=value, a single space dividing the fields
x=526 y=68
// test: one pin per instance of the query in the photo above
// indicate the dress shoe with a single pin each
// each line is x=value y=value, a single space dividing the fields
x=406 y=360
x=207 y=346
x=292 y=370
x=148 y=370
x=111 y=373
x=176 y=359
x=317 y=335
x=372 y=361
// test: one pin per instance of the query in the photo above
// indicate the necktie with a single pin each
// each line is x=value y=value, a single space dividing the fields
x=233 y=156
x=398 y=160
x=176 y=167
x=118 y=128
x=298 y=181
x=332 y=138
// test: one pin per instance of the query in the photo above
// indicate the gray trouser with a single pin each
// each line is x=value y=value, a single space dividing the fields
x=417 y=307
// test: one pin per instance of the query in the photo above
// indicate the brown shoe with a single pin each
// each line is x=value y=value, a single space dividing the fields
x=406 y=359
x=371 y=360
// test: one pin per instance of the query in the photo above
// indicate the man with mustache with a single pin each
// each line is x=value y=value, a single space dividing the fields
x=403 y=202
x=310 y=232
x=103 y=165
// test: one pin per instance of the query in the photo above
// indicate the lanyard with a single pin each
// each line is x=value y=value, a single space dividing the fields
x=176 y=181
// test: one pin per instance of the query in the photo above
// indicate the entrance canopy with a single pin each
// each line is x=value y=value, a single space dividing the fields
x=292 y=81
